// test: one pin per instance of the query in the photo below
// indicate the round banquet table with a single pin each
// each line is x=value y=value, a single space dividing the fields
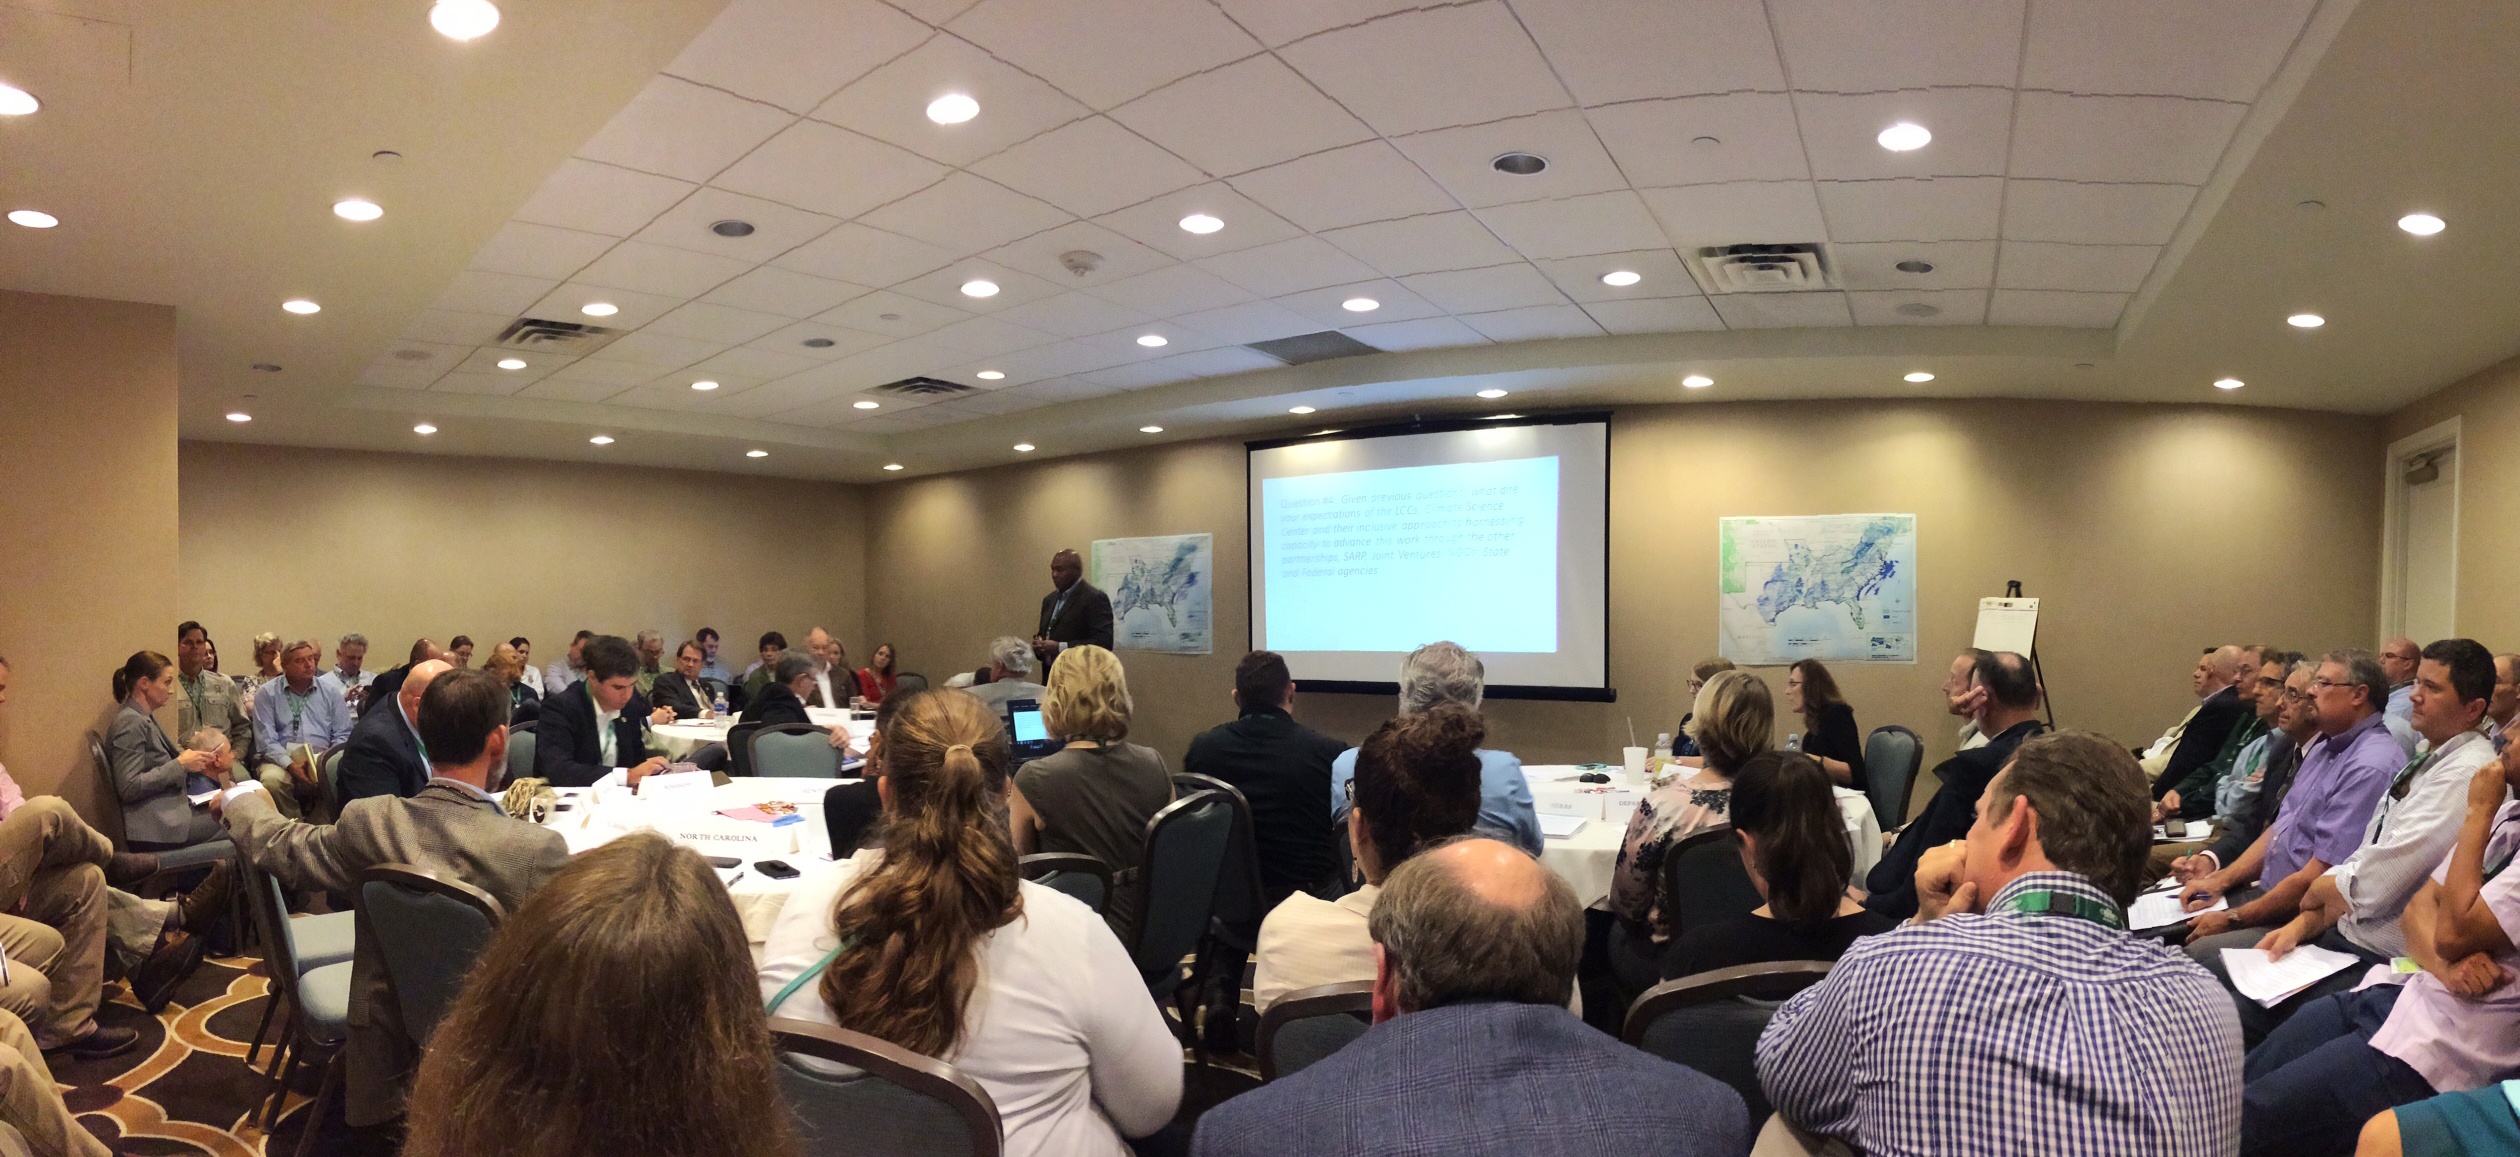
x=676 y=741
x=1587 y=857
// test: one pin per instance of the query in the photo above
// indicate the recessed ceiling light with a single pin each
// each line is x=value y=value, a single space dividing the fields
x=240 y=416
x=2228 y=383
x=990 y=375
x=511 y=363
x=1491 y=393
x=1201 y=223
x=1150 y=429
x=599 y=309
x=424 y=428
x=32 y=219
x=892 y=465
x=869 y=404
x=357 y=210
x=816 y=343
x=731 y=228
x=1299 y=410
x=704 y=384
x=977 y=287
x=756 y=453
x=1519 y=164
x=1912 y=266
x=953 y=108
x=1151 y=340
x=1904 y=137
x=1360 y=304
x=1023 y=447
x=1501 y=417
x=1621 y=278
x=601 y=439
x=300 y=305
x=17 y=102
x=1920 y=376
x=1697 y=381
x=2421 y=224
x=464 y=19
x=2305 y=321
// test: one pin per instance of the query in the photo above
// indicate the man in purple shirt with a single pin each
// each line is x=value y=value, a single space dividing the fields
x=2350 y=763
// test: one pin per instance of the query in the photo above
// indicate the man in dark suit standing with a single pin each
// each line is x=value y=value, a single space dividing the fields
x=1072 y=615
x=1472 y=1044
x=600 y=724
x=384 y=756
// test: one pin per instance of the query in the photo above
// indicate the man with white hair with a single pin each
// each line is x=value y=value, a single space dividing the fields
x=1440 y=673
x=1010 y=675
x=651 y=662
x=346 y=678
x=2188 y=781
x=833 y=684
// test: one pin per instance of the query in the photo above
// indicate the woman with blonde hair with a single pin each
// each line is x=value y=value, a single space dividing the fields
x=1095 y=794
x=934 y=943
x=524 y=703
x=615 y=1013
x=1734 y=719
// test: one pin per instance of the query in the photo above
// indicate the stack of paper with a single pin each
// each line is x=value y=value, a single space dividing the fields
x=2161 y=910
x=1560 y=826
x=2269 y=981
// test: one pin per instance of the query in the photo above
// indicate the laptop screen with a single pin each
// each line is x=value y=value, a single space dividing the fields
x=1024 y=716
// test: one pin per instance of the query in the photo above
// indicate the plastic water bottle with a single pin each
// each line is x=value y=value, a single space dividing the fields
x=1793 y=742
x=1662 y=745
x=720 y=705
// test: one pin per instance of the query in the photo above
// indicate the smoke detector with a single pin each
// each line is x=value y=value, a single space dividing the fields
x=1081 y=261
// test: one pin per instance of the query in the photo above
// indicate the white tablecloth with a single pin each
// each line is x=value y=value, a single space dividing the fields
x=597 y=816
x=676 y=741
x=1587 y=858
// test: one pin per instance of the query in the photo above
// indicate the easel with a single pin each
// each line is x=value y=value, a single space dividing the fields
x=2010 y=622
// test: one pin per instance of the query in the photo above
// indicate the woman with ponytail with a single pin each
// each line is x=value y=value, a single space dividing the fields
x=1793 y=840
x=934 y=943
x=153 y=775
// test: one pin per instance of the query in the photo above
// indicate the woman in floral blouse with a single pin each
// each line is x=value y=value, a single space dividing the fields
x=1734 y=718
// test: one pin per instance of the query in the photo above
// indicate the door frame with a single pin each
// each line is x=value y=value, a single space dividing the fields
x=2443 y=435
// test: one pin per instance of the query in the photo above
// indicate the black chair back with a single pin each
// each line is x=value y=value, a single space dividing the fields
x=1311 y=1023
x=1184 y=858
x=1241 y=899
x=1711 y=1021
x=1704 y=881
x=909 y=681
x=1892 y=756
x=851 y=809
x=428 y=930
x=893 y=1102
x=1075 y=874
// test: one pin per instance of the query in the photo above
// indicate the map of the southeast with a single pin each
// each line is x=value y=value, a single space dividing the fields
x=1161 y=586
x=1832 y=587
x=1161 y=594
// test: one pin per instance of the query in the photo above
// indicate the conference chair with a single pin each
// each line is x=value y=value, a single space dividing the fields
x=894 y=1102
x=520 y=760
x=1241 y=902
x=791 y=750
x=428 y=929
x=1184 y=857
x=1309 y=1024
x=1891 y=757
x=1704 y=881
x=1711 y=1021
x=197 y=856
x=318 y=998
x=850 y=809
x=909 y=681
x=314 y=942
x=1075 y=874
x=328 y=774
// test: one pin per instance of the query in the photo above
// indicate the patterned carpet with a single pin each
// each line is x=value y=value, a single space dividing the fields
x=185 y=1089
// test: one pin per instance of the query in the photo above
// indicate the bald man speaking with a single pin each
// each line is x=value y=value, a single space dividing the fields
x=1074 y=613
x=384 y=756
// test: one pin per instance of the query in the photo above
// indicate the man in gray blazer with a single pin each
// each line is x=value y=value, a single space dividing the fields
x=453 y=827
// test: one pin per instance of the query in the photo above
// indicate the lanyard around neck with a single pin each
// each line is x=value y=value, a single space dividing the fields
x=2049 y=903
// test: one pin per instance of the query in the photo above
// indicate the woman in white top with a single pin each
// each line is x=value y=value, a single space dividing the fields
x=1020 y=987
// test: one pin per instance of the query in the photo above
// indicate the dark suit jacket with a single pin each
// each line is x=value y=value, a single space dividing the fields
x=1283 y=768
x=2283 y=758
x=524 y=704
x=1511 y=1080
x=383 y=757
x=2203 y=739
x=686 y=698
x=774 y=704
x=1085 y=618
x=1948 y=816
x=566 y=750
x=385 y=687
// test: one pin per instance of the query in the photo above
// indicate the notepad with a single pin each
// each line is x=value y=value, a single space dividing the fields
x=1560 y=826
x=2269 y=981
x=2161 y=910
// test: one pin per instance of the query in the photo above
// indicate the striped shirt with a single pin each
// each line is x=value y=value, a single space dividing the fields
x=2011 y=1033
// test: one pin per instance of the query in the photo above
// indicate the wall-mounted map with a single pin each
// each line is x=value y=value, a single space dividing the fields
x=1162 y=598
x=1835 y=587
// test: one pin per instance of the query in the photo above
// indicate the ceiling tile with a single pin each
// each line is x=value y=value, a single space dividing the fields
x=657 y=351
x=471 y=383
x=1073 y=315
x=1875 y=265
x=437 y=357
x=987 y=337
x=1040 y=255
x=536 y=367
x=1431 y=69
x=1952 y=306
x=1459 y=159
x=1971 y=127
x=891 y=314
x=448 y=327
x=722 y=324
x=2093 y=214
x=758 y=365
x=1183 y=367
x=936 y=12
x=944 y=287
x=1250 y=321
x=1090 y=167
x=1601 y=223
x=539 y=250
x=1391 y=303
x=829 y=170
x=1246 y=115
x=566 y=390
x=1423 y=244
x=770 y=289
x=967 y=212
x=1349 y=186
x=1427 y=333
x=1276 y=22
x=1655 y=315
x=660 y=270
x=1532 y=322
x=875 y=367
x=793 y=53
x=1105 y=52
x=2049 y=307
x=728 y=385
x=790 y=341
x=635 y=309
x=2121 y=138
x=1739 y=213
x=609 y=374
x=1173 y=291
x=1000 y=402
x=866 y=256
x=1660 y=271
x=1178 y=339
x=680 y=129
x=599 y=198
x=388 y=374
x=1157 y=223
x=1838 y=47
x=891 y=103
x=2217 y=49
x=1753 y=137
x=1782 y=310
x=766 y=401
x=658 y=398
x=777 y=228
x=1943 y=209
x=2091 y=268
x=1497 y=287
x=1615 y=50
x=1058 y=390
x=1287 y=267
x=479 y=291
x=1050 y=361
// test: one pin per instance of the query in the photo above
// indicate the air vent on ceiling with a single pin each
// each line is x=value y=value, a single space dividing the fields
x=925 y=387
x=1312 y=347
x=563 y=337
x=1780 y=268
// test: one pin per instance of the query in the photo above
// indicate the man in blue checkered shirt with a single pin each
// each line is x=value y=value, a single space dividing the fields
x=2016 y=1015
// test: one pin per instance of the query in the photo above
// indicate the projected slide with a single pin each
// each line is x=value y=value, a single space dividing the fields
x=1384 y=560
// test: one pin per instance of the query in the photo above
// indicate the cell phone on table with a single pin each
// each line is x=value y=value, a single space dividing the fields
x=723 y=861
x=775 y=869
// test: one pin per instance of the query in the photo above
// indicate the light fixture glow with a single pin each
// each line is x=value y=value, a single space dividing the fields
x=32 y=219
x=1920 y=376
x=511 y=363
x=1621 y=278
x=953 y=108
x=240 y=416
x=1491 y=394
x=2305 y=321
x=2421 y=224
x=1904 y=137
x=1150 y=429
x=1152 y=340
x=892 y=465
x=990 y=375
x=1697 y=381
x=17 y=102
x=599 y=309
x=357 y=210
x=1299 y=410
x=756 y=453
x=1201 y=223
x=463 y=19
x=2229 y=383
x=601 y=439
x=424 y=428
x=1023 y=447
x=869 y=404
x=704 y=384
x=978 y=287
x=300 y=305
x=1360 y=304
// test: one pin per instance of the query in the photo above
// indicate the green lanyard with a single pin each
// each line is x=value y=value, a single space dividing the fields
x=2045 y=903
x=297 y=709
x=801 y=978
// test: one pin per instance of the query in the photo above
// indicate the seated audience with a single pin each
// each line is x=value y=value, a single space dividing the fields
x=599 y=724
x=266 y=667
x=651 y=648
x=569 y=669
x=710 y=665
x=1829 y=733
x=1440 y=673
x=524 y=1063
x=1682 y=746
x=935 y=944
x=459 y=651
x=346 y=677
x=204 y=697
x=452 y=826
x=154 y=780
x=1010 y=675
x=524 y=703
x=682 y=690
x=834 y=683
x=1417 y=784
x=2003 y=699
x=2199 y=794
x=2246 y=777
x=2450 y=1026
x=778 y=699
x=2398 y=658
x=297 y=718
x=1473 y=1050
x=875 y=680
x=1095 y=794
x=853 y=809
x=385 y=756
x=1793 y=841
x=2189 y=771
x=773 y=645
x=1959 y=698
x=525 y=656
x=1733 y=720
x=2506 y=704
x=2018 y=1015
x=390 y=683
x=1283 y=768
x=2296 y=724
